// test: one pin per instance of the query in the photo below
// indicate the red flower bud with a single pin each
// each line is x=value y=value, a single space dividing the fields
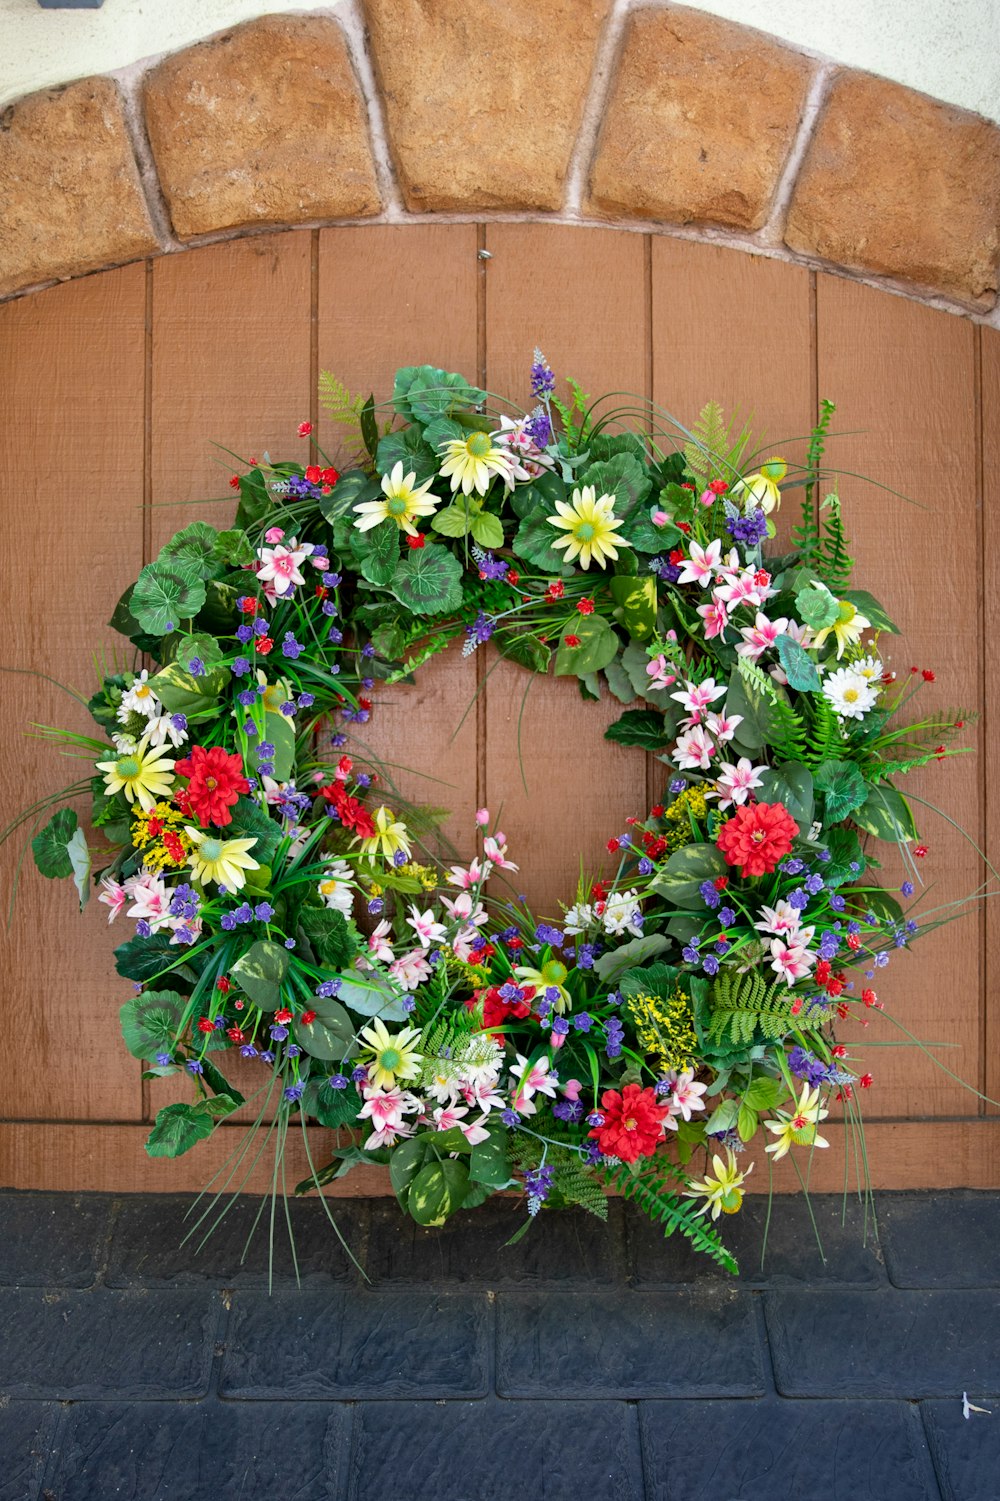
x=234 y=482
x=205 y=1025
x=305 y=428
x=418 y=541
x=307 y=1018
x=313 y=474
x=224 y=985
x=571 y=640
x=263 y=645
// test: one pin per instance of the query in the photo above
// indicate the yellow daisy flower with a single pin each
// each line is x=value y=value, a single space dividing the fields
x=551 y=976
x=797 y=1127
x=472 y=462
x=390 y=836
x=394 y=1057
x=761 y=489
x=141 y=774
x=723 y=1194
x=275 y=694
x=405 y=502
x=590 y=524
x=225 y=861
x=846 y=629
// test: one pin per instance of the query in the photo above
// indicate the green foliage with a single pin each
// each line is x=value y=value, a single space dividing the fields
x=744 y=1009
x=150 y=1022
x=428 y=581
x=573 y=1181
x=643 y=727
x=714 y=454
x=260 y=971
x=339 y=404
x=164 y=595
x=806 y=536
x=824 y=737
x=649 y=1184
x=180 y=1127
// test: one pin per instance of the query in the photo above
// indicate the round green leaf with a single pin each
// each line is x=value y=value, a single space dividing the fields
x=194 y=548
x=51 y=847
x=164 y=595
x=428 y=581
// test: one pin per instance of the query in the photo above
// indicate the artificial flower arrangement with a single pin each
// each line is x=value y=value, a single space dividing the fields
x=680 y=1012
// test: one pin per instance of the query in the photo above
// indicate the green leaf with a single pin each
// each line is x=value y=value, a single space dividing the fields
x=622 y=476
x=747 y=1122
x=799 y=667
x=790 y=784
x=219 y=1084
x=328 y=933
x=353 y=488
x=538 y=498
x=533 y=542
x=816 y=607
x=487 y=529
x=598 y=646
x=845 y=851
x=642 y=727
x=886 y=814
x=409 y=449
x=260 y=971
x=180 y=692
x=437 y=1191
x=636 y=598
x=613 y=963
x=331 y=1107
x=141 y=959
x=380 y=562
x=866 y=604
x=488 y=1163
x=251 y=822
x=753 y=708
x=389 y=640
x=164 y=595
x=280 y=731
x=455 y=520
x=429 y=581
x=220 y=614
x=79 y=858
x=180 y=1127
x=373 y=996
x=151 y=1021
x=194 y=548
x=423 y=392
x=255 y=503
x=233 y=547
x=764 y=1093
x=526 y=651
x=844 y=787
x=405 y=1163
x=635 y=660
x=885 y=907
x=330 y=1036
x=50 y=847
x=679 y=880
x=369 y=427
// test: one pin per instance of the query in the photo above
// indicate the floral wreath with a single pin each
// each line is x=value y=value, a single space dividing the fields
x=681 y=1010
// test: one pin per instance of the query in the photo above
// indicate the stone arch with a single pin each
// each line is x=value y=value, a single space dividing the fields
x=649 y=116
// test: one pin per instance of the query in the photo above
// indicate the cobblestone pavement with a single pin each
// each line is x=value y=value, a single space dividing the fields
x=580 y=1363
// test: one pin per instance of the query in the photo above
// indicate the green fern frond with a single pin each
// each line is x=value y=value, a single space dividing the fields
x=757 y=679
x=831 y=559
x=747 y=1007
x=805 y=536
x=825 y=740
x=786 y=733
x=575 y=1183
x=338 y=402
x=649 y=1189
x=714 y=454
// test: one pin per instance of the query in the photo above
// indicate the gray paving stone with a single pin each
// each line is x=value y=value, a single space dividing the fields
x=52 y=1240
x=941 y=1239
x=70 y=1344
x=759 y=1451
x=156 y=1451
x=966 y=1450
x=569 y=1246
x=496 y=1451
x=27 y=1430
x=357 y=1344
x=148 y=1245
x=790 y=1252
x=889 y=1343
x=627 y=1344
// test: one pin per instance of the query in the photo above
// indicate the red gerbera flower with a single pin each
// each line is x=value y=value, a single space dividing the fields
x=351 y=813
x=633 y=1123
x=215 y=782
x=757 y=837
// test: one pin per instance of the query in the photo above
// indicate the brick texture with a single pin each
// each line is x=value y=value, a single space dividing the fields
x=484 y=101
x=70 y=196
x=902 y=185
x=262 y=125
x=700 y=122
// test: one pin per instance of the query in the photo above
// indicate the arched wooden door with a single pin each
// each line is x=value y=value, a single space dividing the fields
x=114 y=388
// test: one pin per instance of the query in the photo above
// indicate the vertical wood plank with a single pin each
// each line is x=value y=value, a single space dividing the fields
x=581 y=296
x=903 y=378
x=231 y=336
x=391 y=296
x=990 y=418
x=71 y=477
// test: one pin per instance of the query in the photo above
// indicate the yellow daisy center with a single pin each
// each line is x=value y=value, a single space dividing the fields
x=211 y=849
x=479 y=445
x=128 y=767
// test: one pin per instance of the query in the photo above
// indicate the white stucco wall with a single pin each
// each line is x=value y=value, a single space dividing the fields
x=948 y=48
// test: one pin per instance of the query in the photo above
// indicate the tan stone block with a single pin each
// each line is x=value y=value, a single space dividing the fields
x=484 y=100
x=701 y=118
x=70 y=196
x=264 y=124
x=902 y=185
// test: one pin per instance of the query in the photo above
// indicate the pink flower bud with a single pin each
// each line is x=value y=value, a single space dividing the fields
x=274 y=534
x=556 y=1040
x=708 y=497
x=571 y=1089
x=482 y=817
x=660 y=518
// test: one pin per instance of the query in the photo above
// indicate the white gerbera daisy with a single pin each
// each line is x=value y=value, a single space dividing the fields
x=849 y=694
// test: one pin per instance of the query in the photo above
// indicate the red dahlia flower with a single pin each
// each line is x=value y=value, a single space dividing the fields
x=216 y=781
x=633 y=1123
x=757 y=837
